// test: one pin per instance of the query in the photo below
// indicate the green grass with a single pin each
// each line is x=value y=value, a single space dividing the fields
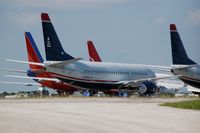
x=195 y=104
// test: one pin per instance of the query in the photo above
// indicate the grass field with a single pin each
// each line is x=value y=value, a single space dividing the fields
x=195 y=104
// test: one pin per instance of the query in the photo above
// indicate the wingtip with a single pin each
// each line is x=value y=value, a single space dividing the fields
x=45 y=17
x=173 y=27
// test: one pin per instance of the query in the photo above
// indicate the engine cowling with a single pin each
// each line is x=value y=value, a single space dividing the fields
x=147 y=87
x=151 y=87
x=142 y=88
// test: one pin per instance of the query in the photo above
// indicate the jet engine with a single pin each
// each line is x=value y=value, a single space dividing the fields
x=147 y=87
x=151 y=87
x=142 y=88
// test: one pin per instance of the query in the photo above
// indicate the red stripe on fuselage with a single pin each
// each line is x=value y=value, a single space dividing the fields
x=187 y=78
x=85 y=80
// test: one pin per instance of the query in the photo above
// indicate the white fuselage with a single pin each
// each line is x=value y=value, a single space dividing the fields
x=81 y=73
x=190 y=75
x=193 y=72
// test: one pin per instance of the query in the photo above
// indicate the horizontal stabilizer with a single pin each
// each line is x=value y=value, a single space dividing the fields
x=23 y=62
x=13 y=70
x=35 y=78
x=20 y=83
x=61 y=63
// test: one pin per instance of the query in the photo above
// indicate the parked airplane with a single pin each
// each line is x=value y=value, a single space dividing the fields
x=187 y=69
x=93 y=75
x=36 y=72
x=94 y=56
x=65 y=68
x=182 y=64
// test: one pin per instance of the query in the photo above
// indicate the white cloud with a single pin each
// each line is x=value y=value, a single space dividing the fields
x=194 y=16
x=159 y=20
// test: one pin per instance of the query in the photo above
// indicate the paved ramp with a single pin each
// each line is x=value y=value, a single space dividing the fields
x=93 y=115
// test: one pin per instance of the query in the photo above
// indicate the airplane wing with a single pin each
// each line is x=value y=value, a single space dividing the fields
x=172 y=82
x=184 y=66
x=134 y=82
x=162 y=68
x=36 y=78
x=13 y=70
x=46 y=63
x=20 y=83
x=168 y=68
x=37 y=71
x=24 y=62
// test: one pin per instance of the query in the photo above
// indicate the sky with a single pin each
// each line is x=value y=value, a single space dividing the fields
x=123 y=31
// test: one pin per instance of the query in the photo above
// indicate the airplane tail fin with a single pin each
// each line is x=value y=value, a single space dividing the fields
x=33 y=52
x=179 y=55
x=53 y=48
x=93 y=54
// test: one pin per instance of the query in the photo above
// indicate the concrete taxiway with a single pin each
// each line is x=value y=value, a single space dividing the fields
x=96 y=115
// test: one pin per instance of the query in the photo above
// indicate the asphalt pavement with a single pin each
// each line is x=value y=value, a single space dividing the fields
x=96 y=115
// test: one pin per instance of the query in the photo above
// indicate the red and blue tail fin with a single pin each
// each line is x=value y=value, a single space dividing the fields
x=93 y=54
x=53 y=48
x=33 y=52
x=179 y=55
